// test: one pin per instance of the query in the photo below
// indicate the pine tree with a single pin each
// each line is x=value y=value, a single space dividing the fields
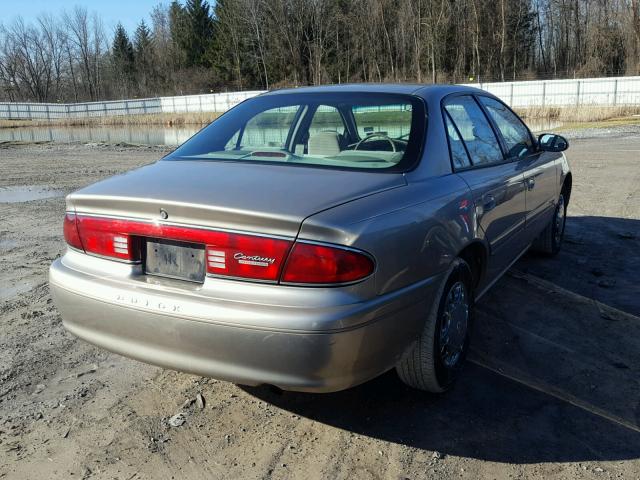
x=122 y=59
x=143 y=54
x=178 y=33
x=198 y=33
x=226 y=52
x=142 y=39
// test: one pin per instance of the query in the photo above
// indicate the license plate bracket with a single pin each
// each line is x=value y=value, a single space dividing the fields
x=174 y=259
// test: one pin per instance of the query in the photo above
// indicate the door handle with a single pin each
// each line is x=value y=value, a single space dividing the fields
x=489 y=202
x=530 y=182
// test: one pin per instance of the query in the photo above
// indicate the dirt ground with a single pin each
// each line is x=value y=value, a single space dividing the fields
x=552 y=389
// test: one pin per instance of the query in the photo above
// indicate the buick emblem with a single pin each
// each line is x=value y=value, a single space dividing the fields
x=163 y=214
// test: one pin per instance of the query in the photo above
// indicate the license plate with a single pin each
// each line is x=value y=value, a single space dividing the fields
x=180 y=260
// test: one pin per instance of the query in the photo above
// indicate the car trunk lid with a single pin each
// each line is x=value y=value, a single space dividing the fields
x=260 y=198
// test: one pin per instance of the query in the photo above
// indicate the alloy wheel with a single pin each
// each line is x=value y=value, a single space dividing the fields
x=559 y=220
x=454 y=325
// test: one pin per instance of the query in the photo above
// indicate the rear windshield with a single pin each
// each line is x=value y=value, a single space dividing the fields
x=335 y=130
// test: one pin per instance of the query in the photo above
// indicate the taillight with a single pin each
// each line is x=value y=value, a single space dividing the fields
x=70 y=230
x=228 y=254
x=108 y=238
x=246 y=256
x=321 y=264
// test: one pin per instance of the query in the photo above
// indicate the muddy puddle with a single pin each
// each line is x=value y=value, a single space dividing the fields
x=27 y=193
x=7 y=244
x=7 y=292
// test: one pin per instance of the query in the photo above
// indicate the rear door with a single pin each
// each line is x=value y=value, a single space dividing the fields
x=496 y=182
x=539 y=167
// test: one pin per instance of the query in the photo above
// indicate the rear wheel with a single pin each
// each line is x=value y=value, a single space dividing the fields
x=434 y=362
x=550 y=240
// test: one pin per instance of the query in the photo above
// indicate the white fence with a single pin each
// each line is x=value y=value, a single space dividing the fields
x=216 y=102
x=611 y=91
x=539 y=93
x=39 y=111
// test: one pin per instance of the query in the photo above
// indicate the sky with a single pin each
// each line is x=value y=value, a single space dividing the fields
x=129 y=12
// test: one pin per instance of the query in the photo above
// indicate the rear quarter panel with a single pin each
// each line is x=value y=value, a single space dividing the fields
x=413 y=232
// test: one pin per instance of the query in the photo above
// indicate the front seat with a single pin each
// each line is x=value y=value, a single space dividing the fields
x=325 y=143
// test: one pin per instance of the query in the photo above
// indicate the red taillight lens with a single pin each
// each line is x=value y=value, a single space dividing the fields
x=228 y=254
x=320 y=264
x=70 y=230
x=246 y=256
x=108 y=238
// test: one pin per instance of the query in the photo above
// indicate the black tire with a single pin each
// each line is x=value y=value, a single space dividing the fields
x=426 y=365
x=550 y=240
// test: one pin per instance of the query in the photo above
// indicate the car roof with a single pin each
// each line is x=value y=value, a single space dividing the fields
x=422 y=90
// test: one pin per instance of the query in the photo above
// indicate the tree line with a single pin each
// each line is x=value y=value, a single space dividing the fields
x=194 y=47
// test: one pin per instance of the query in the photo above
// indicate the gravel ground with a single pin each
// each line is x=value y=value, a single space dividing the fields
x=552 y=389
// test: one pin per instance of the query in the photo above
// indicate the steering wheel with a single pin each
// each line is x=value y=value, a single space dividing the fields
x=376 y=135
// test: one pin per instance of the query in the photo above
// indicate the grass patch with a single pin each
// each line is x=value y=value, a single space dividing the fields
x=611 y=123
x=166 y=119
x=579 y=114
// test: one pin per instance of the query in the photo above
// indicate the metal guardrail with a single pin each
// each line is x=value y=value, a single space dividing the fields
x=612 y=91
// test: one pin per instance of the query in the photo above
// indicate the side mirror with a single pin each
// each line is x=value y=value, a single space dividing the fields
x=550 y=142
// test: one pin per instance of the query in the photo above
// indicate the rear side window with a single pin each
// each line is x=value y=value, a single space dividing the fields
x=475 y=129
x=515 y=133
x=458 y=153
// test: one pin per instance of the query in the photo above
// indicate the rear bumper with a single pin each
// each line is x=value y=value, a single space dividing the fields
x=323 y=345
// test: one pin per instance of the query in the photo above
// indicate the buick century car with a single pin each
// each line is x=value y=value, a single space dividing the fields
x=312 y=239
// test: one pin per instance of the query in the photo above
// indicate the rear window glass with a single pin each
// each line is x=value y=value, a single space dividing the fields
x=327 y=118
x=393 y=120
x=329 y=129
x=268 y=128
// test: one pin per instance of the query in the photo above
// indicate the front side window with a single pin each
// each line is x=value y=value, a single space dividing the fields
x=475 y=130
x=515 y=133
x=330 y=129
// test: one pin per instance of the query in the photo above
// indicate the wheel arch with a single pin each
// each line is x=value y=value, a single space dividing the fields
x=475 y=254
x=566 y=186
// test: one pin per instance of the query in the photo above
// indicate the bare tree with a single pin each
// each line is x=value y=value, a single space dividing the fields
x=254 y=17
x=53 y=39
x=86 y=42
x=634 y=66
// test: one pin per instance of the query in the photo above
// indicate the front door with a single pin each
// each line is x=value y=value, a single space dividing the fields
x=542 y=191
x=539 y=167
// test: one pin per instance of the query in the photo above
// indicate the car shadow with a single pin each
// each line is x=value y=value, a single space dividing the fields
x=599 y=259
x=552 y=377
x=486 y=416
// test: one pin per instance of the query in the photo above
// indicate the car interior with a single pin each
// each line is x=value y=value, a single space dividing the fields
x=365 y=136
